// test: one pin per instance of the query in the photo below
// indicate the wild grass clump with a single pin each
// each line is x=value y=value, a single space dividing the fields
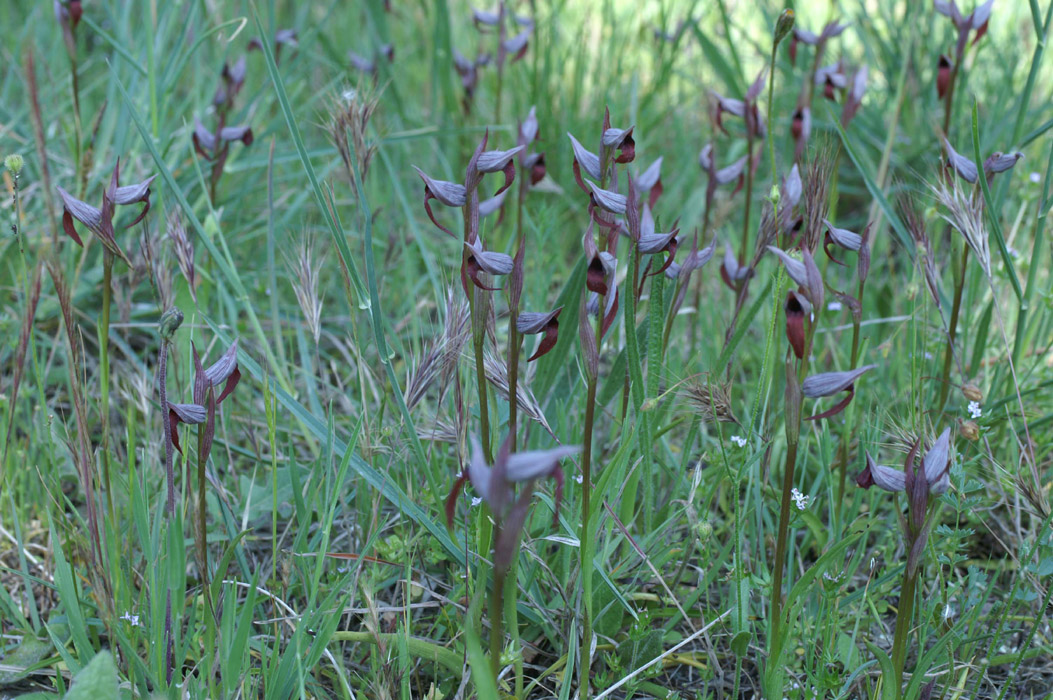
x=537 y=350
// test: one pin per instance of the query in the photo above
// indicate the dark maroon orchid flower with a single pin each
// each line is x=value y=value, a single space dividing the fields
x=611 y=140
x=920 y=483
x=966 y=169
x=224 y=372
x=100 y=221
x=534 y=323
x=232 y=79
x=746 y=109
x=494 y=484
x=830 y=383
x=803 y=36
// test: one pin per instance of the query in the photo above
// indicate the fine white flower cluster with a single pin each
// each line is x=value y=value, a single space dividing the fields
x=738 y=440
x=133 y=620
x=974 y=409
x=799 y=499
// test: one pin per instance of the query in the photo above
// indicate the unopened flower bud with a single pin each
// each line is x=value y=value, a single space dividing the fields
x=969 y=430
x=973 y=393
x=703 y=530
x=170 y=322
x=775 y=196
x=783 y=25
x=14 y=163
x=649 y=405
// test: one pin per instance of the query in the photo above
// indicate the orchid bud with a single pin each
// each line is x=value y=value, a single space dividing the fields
x=783 y=26
x=170 y=322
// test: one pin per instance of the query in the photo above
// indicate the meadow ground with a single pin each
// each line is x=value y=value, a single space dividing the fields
x=771 y=290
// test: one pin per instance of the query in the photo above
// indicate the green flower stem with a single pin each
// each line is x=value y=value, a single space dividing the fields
x=903 y=618
x=793 y=432
x=586 y=560
x=104 y=371
x=497 y=610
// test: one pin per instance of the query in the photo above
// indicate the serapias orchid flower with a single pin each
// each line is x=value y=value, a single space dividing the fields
x=100 y=221
x=223 y=372
x=966 y=169
x=611 y=140
x=494 y=484
x=830 y=383
x=804 y=272
x=213 y=145
x=919 y=483
x=803 y=36
x=546 y=323
x=746 y=109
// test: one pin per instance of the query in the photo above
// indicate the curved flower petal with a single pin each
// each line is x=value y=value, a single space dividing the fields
x=830 y=383
x=588 y=160
x=937 y=462
x=885 y=478
x=534 y=464
x=608 y=201
x=965 y=167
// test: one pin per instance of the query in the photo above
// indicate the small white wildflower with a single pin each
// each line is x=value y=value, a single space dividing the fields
x=133 y=620
x=1013 y=251
x=834 y=306
x=738 y=440
x=948 y=612
x=476 y=501
x=580 y=478
x=349 y=96
x=974 y=409
x=1035 y=178
x=928 y=355
x=799 y=499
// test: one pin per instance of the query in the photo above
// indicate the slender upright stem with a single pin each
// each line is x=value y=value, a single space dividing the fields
x=780 y=542
x=853 y=363
x=478 y=314
x=497 y=611
x=586 y=561
x=952 y=330
x=744 y=245
x=793 y=431
x=515 y=340
x=949 y=97
x=903 y=618
x=162 y=376
x=500 y=60
x=632 y=328
x=104 y=370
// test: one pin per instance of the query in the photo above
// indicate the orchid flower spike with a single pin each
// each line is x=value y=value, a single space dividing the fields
x=100 y=221
x=213 y=145
x=224 y=372
x=494 y=484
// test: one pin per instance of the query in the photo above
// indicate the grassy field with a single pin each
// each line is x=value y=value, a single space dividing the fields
x=771 y=290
